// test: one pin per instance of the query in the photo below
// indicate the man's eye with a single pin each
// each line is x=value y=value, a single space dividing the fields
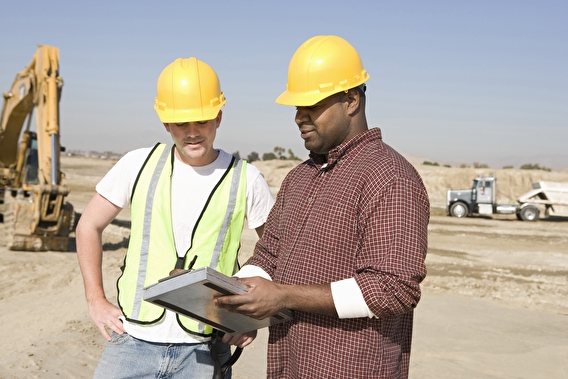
x=308 y=108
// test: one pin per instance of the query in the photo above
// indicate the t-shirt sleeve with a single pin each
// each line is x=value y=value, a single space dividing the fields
x=116 y=186
x=259 y=198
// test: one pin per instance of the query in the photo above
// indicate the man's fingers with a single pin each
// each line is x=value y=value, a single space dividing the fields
x=228 y=301
x=116 y=325
x=104 y=332
x=113 y=323
x=240 y=340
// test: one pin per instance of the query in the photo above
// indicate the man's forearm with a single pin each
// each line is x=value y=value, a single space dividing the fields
x=313 y=298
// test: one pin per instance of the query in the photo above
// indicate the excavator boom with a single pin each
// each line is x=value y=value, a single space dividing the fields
x=32 y=187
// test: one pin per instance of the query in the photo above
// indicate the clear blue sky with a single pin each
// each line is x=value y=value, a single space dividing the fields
x=460 y=81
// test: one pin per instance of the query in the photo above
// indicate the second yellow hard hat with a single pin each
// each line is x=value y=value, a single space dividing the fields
x=321 y=67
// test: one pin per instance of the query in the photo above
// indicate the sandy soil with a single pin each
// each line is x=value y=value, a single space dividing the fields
x=495 y=302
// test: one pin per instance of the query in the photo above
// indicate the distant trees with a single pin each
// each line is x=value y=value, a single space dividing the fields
x=277 y=153
x=463 y=165
x=291 y=155
x=526 y=166
x=530 y=166
x=253 y=157
x=268 y=156
x=428 y=163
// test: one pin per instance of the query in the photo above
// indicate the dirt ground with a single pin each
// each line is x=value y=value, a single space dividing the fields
x=494 y=305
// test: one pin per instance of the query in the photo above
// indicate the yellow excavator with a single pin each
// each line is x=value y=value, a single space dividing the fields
x=33 y=210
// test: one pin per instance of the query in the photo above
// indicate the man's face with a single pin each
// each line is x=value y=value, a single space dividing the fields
x=194 y=140
x=326 y=124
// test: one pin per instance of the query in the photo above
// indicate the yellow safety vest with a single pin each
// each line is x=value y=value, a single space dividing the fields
x=151 y=251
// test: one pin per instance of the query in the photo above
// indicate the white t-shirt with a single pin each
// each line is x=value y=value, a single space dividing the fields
x=191 y=187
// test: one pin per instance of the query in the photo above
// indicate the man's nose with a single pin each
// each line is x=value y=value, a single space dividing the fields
x=301 y=115
x=191 y=130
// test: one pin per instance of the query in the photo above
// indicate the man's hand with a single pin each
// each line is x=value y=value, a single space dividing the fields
x=106 y=315
x=263 y=299
x=240 y=340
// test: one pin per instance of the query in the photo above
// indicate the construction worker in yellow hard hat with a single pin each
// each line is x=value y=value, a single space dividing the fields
x=188 y=205
x=188 y=102
x=346 y=241
x=326 y=70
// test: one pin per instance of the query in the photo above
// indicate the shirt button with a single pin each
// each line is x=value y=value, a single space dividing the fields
x=310 y=199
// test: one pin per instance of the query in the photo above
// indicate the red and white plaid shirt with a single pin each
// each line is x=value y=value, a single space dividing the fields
x=361 y=214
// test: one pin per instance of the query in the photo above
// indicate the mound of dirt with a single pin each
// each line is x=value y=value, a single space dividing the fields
x=511 y=183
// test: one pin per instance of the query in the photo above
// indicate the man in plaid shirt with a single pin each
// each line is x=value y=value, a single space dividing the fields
x=345 y=243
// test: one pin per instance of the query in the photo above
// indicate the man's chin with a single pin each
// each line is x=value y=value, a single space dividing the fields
x=193 y=153
x=312 y=148
x=196 y=150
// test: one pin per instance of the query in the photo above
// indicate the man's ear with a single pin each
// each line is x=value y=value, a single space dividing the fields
x=219 y=118
x=353 y=100
x=167 y=126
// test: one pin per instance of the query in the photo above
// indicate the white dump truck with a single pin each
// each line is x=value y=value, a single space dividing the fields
x=548 y=198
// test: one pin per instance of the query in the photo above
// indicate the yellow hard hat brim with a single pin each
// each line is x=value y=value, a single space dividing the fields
x=303 y=99
x=191 y=115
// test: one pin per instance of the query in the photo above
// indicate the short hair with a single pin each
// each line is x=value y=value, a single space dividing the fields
x=361 y=89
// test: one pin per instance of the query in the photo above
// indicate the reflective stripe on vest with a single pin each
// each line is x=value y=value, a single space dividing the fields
x=215 y=238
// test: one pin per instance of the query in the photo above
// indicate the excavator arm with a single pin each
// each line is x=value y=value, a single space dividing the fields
x=33 y=188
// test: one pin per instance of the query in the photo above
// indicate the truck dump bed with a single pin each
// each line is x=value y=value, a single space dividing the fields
x=553 y=195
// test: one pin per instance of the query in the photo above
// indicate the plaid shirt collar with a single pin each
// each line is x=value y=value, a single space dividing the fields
x=336 y=154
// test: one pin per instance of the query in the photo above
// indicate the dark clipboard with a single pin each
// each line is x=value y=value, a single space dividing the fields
x=191 y=294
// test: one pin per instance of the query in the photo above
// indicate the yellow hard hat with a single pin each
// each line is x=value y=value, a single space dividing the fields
x=321 y=67
x=188 y=90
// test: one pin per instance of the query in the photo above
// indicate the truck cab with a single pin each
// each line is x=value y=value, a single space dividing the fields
x=480 y=199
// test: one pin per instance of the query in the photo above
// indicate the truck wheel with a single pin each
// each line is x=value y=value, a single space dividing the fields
x=459 y=209
x=529 y=213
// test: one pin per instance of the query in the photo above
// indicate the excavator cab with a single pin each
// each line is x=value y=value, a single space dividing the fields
x=31 y=165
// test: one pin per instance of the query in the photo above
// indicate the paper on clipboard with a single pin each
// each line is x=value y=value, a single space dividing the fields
x=191 y=294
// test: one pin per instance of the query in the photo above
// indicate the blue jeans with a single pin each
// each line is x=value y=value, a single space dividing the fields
x=128 y=357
